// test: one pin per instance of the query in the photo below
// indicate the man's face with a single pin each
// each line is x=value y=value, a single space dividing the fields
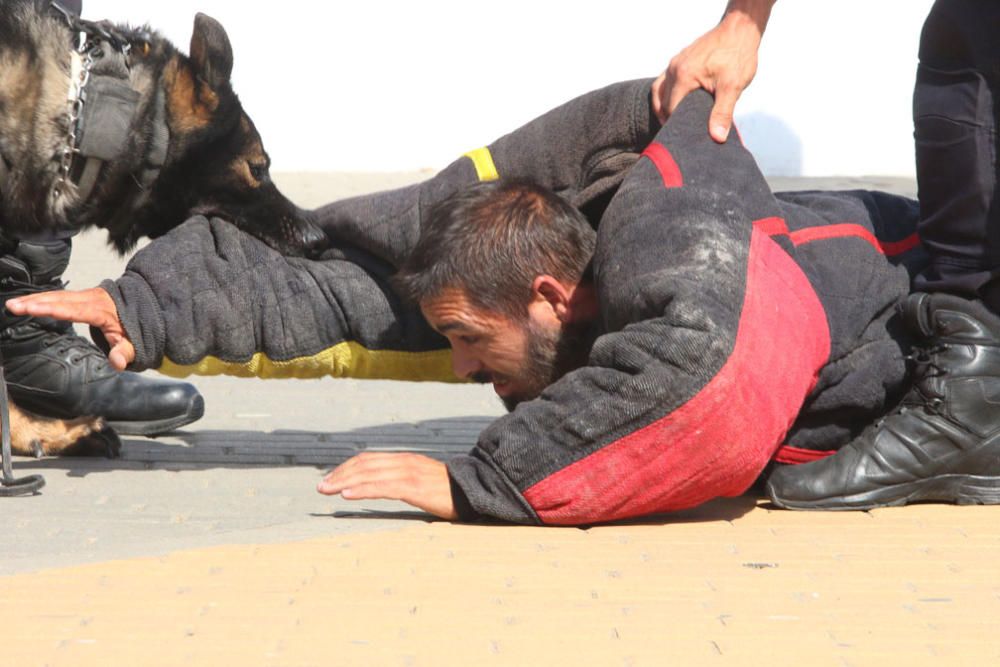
x=519 y=357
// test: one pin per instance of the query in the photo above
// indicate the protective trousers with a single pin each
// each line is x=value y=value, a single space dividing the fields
x=955 y=130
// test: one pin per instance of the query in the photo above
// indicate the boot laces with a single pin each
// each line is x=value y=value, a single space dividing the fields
x=922 y=394
x=926 y=367
x=925 y=364
x=79 y=348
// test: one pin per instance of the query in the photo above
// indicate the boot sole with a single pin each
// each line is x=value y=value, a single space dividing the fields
x=955 y=489
x=195 y=411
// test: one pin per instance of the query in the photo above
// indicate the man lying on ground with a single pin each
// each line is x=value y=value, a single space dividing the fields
x=718 y=327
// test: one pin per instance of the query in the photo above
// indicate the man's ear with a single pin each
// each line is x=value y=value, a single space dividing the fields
x=211 y=52
x=556 y=295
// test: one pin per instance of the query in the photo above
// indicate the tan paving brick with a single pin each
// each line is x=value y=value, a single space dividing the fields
x=914 y=585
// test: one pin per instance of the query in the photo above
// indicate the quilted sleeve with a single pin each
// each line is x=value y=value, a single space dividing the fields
x=209 y=299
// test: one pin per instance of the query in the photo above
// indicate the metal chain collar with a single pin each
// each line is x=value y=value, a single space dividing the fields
x=89 y=49
x=77 y=98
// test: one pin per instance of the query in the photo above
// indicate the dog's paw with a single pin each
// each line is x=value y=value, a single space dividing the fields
x=112 y=443
x=38 y=436
x=103 y=442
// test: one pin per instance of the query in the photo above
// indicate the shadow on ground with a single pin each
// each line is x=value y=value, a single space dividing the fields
x=722 y=509
x=437 y=438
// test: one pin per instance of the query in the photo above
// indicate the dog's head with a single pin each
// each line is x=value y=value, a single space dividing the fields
x=216 y=163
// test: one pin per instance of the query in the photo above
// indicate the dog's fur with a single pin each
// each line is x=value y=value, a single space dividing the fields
x=35 y=435
x=215 y=163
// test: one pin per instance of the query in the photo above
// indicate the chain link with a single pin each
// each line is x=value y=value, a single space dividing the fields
x=78 y=98
x=89 y=49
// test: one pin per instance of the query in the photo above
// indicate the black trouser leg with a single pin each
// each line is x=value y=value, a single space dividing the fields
x=955 y=122
x=943 y=442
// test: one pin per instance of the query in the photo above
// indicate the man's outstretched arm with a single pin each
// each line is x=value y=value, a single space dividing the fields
x=207 y=298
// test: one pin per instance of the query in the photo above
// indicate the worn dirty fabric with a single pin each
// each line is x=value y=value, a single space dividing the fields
x=210 y=299
x=735 y=322
x=738 y=326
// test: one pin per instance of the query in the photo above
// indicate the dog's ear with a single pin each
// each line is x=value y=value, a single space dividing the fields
x=211 y=52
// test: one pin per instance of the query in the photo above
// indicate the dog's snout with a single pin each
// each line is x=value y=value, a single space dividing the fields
x=314 y=240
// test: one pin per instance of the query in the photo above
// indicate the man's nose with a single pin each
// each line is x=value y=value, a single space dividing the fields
x=464 y=365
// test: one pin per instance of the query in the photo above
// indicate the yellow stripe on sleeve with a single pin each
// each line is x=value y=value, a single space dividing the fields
x=344 y=360
x=483 y=161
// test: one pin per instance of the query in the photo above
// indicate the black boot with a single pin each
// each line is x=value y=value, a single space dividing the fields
x=941 y=444
x=53 y=372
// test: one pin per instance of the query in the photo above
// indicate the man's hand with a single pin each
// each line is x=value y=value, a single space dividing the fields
x=723 y=61
x=90 y=306
x=418 y=480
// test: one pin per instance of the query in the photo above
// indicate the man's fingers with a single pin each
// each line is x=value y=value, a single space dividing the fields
x=365 y=483
x=723 y=61
x=121 y=355
x=85 y=306
x=719 y=125
x=90 y=306
x=373 y=491
x=678 y=91
x=60 y=310
x=721 y=119
x=389 y=482
x=383 y=466
x=658 y=95
x=413 y=478
x=69 y=296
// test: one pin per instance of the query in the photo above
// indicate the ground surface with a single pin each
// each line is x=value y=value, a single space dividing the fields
x=211 y=546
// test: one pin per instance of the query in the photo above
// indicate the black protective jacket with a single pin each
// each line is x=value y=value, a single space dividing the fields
x=738 y=327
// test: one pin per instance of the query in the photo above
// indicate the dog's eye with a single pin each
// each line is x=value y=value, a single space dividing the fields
x=258 y=171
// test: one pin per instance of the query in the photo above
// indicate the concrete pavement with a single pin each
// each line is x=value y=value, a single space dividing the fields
x=211 y=545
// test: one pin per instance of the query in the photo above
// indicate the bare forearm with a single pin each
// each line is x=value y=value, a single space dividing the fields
x=745 y=21
x=756 y=11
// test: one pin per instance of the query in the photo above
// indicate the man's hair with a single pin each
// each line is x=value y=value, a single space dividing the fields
x=492 y=240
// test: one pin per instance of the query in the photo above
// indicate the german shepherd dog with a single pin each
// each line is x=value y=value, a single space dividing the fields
x=155 y=137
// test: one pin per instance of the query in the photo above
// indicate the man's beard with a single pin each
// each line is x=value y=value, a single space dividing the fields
x=548 y=356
